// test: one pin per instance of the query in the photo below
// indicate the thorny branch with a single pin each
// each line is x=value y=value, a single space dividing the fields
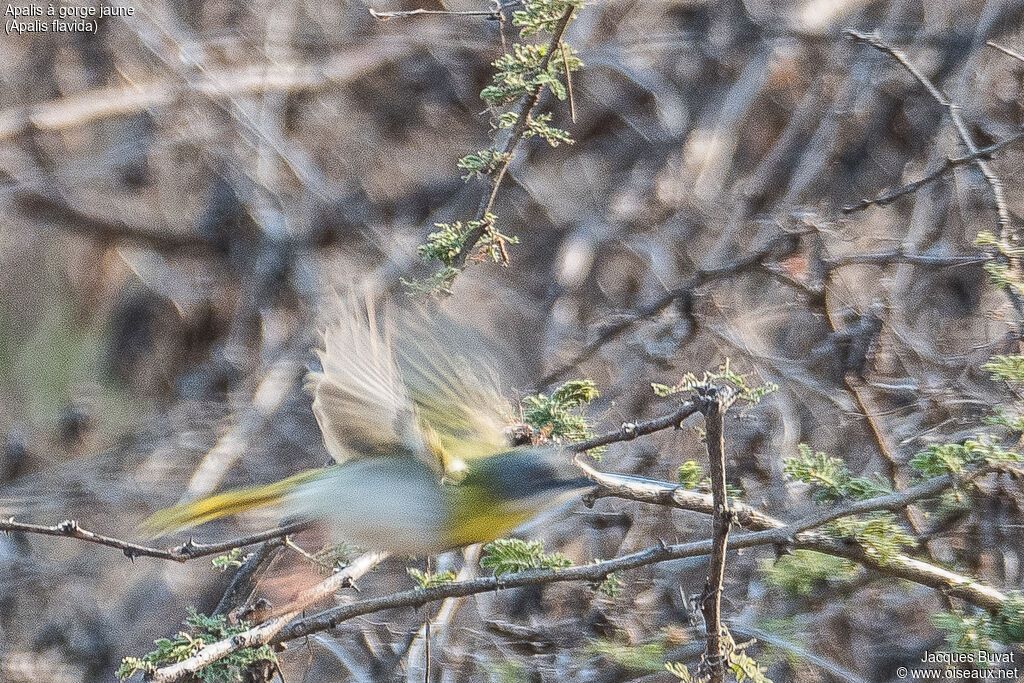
x=802 y=538
x=766 y=531
x=983 y=595
x=258 y=635
x=402 y=14
x=189 y=550
x=889 y=197
x=780 y=246
x=1007 y=234
x=523 y=113
x=713 y=403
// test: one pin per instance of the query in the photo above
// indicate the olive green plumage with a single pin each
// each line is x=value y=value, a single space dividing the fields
x=417 y=430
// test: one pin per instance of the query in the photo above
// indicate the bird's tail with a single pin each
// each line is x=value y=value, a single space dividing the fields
x=196 y=512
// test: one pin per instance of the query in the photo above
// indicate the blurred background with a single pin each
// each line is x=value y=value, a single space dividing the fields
x=181 y=189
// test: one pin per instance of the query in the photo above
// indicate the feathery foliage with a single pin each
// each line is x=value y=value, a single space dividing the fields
x=799 y=572
x=725 y=375
x=520 y=75
x=202 y=630
x=429 y=579
x=559 y=417
x=511 y=555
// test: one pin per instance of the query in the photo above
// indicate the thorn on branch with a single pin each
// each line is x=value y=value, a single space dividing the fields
x=68 y=527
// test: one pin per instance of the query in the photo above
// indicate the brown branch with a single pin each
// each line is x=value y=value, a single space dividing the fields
x=93 y=105
x=1006 y=232
x=782 y=245
x=714 y=403
x=523 y=113
x=1006 y=51
x=45 y=209
x=243 y=583
x=261 y=634
x=630 y=430
x=590 y=572
x=279 y=630
x=804 y=538
x=778 y=533
x=889 y=197
x=402 y=14
x=189 y=550
x=892 y=257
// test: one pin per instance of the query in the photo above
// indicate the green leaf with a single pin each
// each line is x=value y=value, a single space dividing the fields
x=798 y=573
x=559 y=417
x=512 y=555
x=202 y=630
x=689 y=475
x=427 y=579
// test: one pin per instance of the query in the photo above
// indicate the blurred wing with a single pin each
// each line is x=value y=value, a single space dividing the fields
x=359 y=399
x=449 y=378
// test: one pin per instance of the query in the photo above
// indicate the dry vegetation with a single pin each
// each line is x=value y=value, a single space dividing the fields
x=182 y=188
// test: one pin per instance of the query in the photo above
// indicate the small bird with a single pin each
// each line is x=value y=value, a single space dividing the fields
x=419 y=437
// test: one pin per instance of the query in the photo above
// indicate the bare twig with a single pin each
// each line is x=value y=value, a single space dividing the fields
x=568 y=82
x=189 y=550
x=1006 y=51
x=402 y=14
x=630 y=430
x=889 y=197
x=969 y=589
x=780 y=246
x=714 y=402
x=243 y=583
x=892 y=257
x=1007 y=235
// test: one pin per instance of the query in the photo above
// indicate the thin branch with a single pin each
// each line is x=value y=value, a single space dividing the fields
x=714 y=403
x=952 y=162
x=568 y=81
x=630 y=430
x=891 y=257
x=803 y=538
x=1006 y=51
x=261 y=634
x=189 y=550
x=780 y=246
x=975 y=592
x=773 y=532
x=523 y=113
x=243 y=583
x=1006 y=232
x=92 y=105
x=401 y=14
x=597 y=571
